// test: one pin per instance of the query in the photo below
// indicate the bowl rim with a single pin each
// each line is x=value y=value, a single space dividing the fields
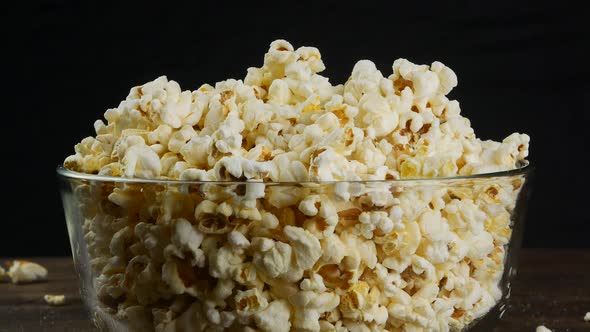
x=523 y=168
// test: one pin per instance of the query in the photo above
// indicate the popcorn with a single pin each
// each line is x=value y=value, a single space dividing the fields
x=587 y=317
x=307 y=247
x=330 y=166
x=376 y=115
x=142 y=280
x=312 y=57
x=314 y=283
x=369 y=154
x=142 y=162
x=269 y=220
x=193 y=318
x=23 y=272
x=374 y=221
x=54 y=300
x=364 y=78
x=272 y=258
x=175 y=274
x=187 y=238
x=288 y=213
x=180 y=137
x=360 y=303
x=279 y=92
x=309 y=205
x=275 y=317
x=250 y=302
x=197 y=151
x=542 y=328
x=223 y=262
x=237 y=240
x=309 y=306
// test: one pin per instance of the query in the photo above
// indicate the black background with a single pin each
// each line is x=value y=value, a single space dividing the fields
x=521 y=67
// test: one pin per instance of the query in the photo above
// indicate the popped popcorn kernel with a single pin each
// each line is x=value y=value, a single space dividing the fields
x=23 y=272
x=54 y=300
x=250 y=301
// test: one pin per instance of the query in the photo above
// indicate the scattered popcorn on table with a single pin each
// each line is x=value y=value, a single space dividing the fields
x=54 y=300
x=542 y=328
x=587 y=317
x=254 y=255
x=22 y=272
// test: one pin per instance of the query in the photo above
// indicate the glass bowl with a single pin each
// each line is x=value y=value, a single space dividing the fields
x=417 y=254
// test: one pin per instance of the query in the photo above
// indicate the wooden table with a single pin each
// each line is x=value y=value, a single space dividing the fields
x=552 y=288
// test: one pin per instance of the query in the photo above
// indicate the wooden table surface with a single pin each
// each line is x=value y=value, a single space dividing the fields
x=552 y=288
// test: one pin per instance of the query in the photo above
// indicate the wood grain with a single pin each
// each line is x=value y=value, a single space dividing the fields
x=552 y=288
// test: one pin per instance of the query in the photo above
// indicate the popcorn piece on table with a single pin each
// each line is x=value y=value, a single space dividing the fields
x=587 y=317
x=22 y=272
x=54 y=300
x=542 y=328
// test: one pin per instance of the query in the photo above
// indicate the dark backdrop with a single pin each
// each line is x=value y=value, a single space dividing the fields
x=520 y=67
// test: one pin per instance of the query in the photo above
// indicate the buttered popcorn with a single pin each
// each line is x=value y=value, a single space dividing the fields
x=290 y=219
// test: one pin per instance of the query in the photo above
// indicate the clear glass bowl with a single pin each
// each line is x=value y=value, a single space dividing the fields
x=429 y=254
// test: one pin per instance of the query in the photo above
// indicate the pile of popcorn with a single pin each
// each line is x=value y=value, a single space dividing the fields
x=288 y=223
